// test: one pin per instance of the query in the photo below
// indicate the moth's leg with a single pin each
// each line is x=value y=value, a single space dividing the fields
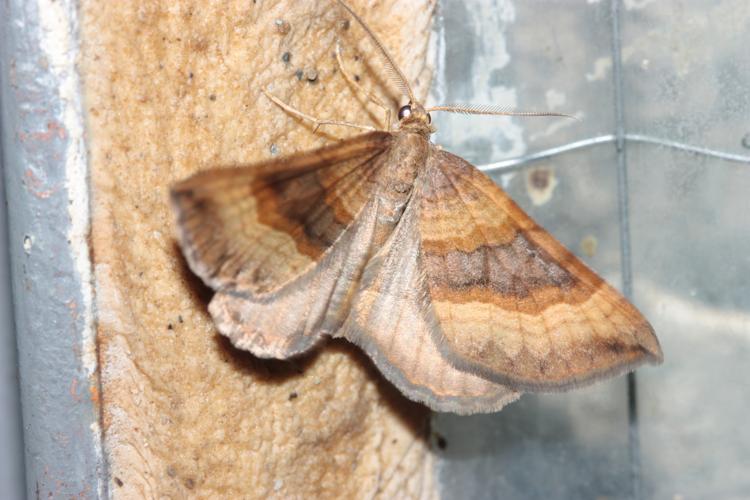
x=352 y=81
x=317 y=121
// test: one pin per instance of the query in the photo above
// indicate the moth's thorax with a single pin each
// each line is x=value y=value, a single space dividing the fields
x=406 y=158
x=416 y=127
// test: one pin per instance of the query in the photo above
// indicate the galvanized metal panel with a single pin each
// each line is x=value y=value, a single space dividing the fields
x=659 y=171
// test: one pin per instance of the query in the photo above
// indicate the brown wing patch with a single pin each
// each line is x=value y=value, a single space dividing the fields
x=292 y=319
x=391 y=319
x=256 y=227
x=512 y=303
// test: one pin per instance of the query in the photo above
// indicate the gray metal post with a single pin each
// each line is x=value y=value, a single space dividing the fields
x=45 y=169
x=11 y=464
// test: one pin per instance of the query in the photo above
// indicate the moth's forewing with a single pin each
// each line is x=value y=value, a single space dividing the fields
x=391 y=320
x=263 y=237
x=254 y=228
x=513 y=305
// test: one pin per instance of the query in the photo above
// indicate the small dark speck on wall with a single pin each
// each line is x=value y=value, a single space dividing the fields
x=440 y=441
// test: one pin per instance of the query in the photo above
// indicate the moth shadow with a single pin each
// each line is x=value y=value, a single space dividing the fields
x=391 y=98
x=414 y=416
x=386 y=94
x=270 y=371
x=199 y=291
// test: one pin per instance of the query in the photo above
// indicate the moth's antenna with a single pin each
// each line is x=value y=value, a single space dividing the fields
x=489 y=109
x=394 y=73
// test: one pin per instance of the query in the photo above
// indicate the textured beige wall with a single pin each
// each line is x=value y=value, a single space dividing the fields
x=173 y=87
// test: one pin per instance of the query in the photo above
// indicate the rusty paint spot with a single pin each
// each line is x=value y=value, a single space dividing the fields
x=94 y=393
x=539 y=178
x=74 y=391
x=73 y=308
x=589 y=245
x=35 y=184
x=31 y=179
x=54 y=129
x=540 y=184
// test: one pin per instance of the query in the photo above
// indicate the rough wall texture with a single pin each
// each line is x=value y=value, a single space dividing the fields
x=173 y=87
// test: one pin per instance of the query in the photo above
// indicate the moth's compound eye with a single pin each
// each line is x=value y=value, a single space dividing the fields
x=404 y=112
x=429 y=118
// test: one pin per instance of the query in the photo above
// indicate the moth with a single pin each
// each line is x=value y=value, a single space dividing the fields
x=408 y=251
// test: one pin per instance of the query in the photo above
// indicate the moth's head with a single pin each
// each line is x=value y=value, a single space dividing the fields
x=414 y=117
